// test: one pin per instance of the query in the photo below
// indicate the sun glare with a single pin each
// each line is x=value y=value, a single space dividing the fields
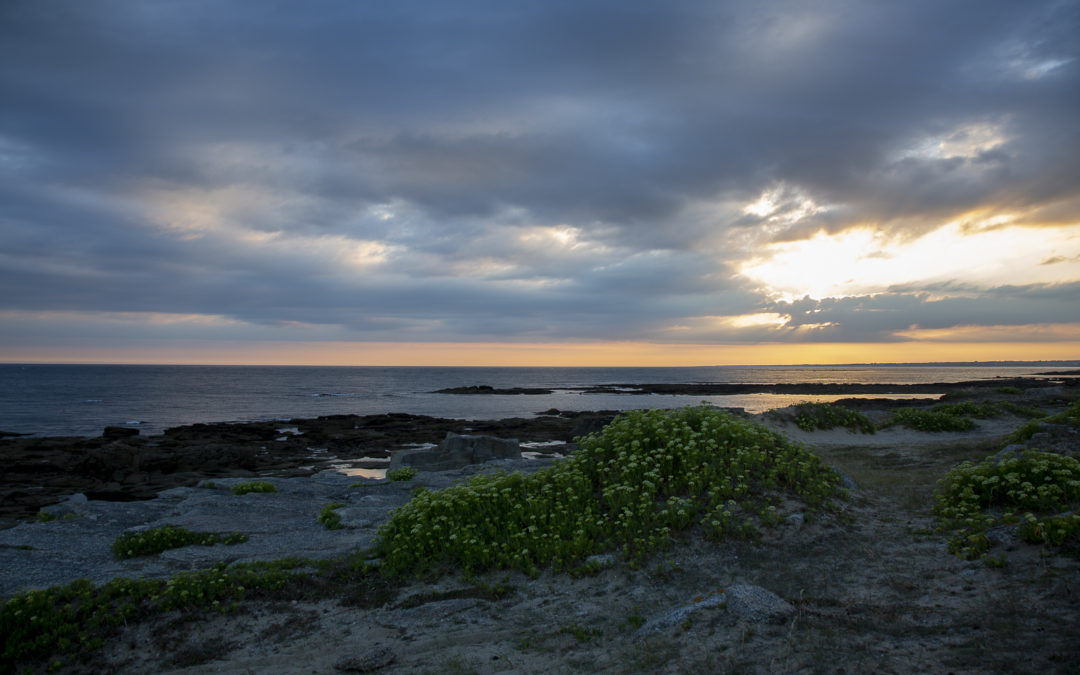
x=863 y=261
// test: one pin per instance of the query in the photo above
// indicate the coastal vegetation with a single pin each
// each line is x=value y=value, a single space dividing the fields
x=644 y=483
x=253 y=486
x=812 y=416
x=943 y=416
x=68 y=623
x=631 y=488
x=1035 y=492
x=158 y=539
x=401 y=473
x=1038 y=491
x=329 y=516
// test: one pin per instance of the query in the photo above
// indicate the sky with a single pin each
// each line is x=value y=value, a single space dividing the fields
x=539 y=182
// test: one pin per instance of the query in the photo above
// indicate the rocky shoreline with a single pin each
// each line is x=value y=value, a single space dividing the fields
x=123 y=466
x=866 y=586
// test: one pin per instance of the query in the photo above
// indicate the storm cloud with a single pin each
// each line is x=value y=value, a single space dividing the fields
x=537 y=171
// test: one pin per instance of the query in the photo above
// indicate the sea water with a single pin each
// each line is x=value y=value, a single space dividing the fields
x=81 y=400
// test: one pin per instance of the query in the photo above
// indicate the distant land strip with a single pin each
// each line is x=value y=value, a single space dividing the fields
x=727 y=388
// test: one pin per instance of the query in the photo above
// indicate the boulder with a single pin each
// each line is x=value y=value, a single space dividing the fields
x=457 y=451
x=678 y=615
x=119 y=432
x=756 y=604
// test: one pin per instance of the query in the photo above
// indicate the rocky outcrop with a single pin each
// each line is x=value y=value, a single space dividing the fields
x=457 y=451
x=74 y=539
x=487 y=389
x=122 y=467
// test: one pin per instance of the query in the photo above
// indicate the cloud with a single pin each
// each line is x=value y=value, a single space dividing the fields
x=526 y=171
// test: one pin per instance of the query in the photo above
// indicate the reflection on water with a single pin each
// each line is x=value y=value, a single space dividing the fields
x=759 y=403
x=375 y=474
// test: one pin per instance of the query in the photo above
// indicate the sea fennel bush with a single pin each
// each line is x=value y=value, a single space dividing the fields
x=631 y=488
x=975 y=497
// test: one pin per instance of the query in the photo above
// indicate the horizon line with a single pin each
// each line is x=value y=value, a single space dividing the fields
x=976 y=363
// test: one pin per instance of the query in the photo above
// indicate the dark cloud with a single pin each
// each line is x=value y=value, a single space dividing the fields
x=226 y=159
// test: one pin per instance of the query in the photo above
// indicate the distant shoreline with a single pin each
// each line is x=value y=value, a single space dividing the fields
x=1058 y=363
x=731 y=388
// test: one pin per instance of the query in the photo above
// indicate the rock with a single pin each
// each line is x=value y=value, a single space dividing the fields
x=481 y=448
x=795 y=521
x=602 y=560
x=487 y=389
x=677 y=616
x=756 y=604
x=366 y=662
x=456 y=451
x=846 y=481
x=589 y=425
x=119 y=432
x=1008 y=452
x=1003 y=535
x=42 y=471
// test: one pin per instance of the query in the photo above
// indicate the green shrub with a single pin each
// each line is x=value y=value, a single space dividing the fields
x=253 y=486
x=151 y=542
x=401 y=473
x=329 y=517
x=631 y=487
x=1009 y=390
x=974 y=497
x=1070 y=416
x=1023 y=433
x=983 y=411
x=929 y=420
x=811 y=416
x=73 y=620
x=1022 y=411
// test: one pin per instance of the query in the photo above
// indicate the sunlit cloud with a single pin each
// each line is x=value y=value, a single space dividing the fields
x=1044 y=332
x=865 y=261
x=967 y=141
x=710 y=174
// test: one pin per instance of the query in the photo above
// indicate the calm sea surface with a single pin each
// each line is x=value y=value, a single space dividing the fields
x=82 y=399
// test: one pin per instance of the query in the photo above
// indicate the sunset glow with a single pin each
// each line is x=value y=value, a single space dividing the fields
x=558 y=183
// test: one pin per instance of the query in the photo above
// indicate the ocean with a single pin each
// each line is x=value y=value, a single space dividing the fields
x=80 y=400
